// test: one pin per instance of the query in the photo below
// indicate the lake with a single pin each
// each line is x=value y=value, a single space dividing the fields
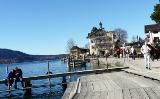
x=39 y=68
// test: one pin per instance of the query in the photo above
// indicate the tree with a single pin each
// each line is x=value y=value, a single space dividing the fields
x=121 y=35
x=70 y=44
x=156 y=14
x=86 y=46
x=133 y=39
x=137 y=38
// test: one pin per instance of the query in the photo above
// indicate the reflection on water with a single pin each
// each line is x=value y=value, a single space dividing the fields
x=39 y=68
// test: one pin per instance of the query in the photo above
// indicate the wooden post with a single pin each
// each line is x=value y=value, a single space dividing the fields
x=7 y=72
x=7 y=69
x=107 y=66
x=49 y=77
x=73 y=63
x=28 y=86
x=68 y=62
x=83 y=57
x=98 y=62
x=64 y=83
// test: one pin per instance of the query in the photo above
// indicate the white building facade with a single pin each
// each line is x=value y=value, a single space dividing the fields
x=100 y=41
x=153 y=31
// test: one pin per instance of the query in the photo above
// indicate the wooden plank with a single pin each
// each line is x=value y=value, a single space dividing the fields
x=111 y=95
x=151 y=94
x=73 y=93
x=134 y=93
x=118 y=94
x=79 y=95
x=141 y=81
x=95 y=95
x=117 y=85
x=107 y=85
x=144 y=73
x=134 y=80
x=88 y=95
x=126 y=94
x=156 y=90
x=122 y=81
x=70 y=87
x=83 y=87
x=90 y=87
x=142 y=93
x=113 y=83
x=103 y=95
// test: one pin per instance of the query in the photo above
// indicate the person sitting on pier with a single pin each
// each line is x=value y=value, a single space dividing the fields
x=18 y=76
x=10 y=79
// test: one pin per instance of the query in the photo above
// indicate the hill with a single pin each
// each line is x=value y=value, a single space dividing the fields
x=11 y=56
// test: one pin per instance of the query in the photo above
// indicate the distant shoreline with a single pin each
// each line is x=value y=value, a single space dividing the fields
x=8 y=56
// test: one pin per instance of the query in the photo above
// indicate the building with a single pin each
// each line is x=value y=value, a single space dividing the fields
x=153 y=32
x=78 y=53
x=100 y=40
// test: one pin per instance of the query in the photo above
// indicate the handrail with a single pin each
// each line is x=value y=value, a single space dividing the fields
x=39 y=77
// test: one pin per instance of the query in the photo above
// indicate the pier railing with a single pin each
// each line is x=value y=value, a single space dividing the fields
x=27 y=80
x=39 y=77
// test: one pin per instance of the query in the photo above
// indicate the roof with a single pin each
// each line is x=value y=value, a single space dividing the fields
x=75 y=47
x=82 y=49
x=155 y=28
x=93 y=33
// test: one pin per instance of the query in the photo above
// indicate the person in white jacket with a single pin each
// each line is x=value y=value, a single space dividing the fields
x=146 y=52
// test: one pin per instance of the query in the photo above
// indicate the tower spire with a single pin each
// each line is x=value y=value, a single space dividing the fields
x=100 y=24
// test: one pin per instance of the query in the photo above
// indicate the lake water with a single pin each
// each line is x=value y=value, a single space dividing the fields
x=39 y=68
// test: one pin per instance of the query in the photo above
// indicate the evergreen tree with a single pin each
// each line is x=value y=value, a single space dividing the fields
x=156 y=13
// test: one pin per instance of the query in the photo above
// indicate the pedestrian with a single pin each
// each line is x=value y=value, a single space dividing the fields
x=106 y=55
x=10 y=79
x=146 y=52
x=118 y=52
x=133 y=52
x=18 y=76
x=127 y=53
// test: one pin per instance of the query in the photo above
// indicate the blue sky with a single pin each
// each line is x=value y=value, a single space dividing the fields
x=45 y=26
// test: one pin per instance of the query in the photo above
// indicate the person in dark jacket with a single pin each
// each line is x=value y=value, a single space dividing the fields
x=10 y=79
x=18 y=76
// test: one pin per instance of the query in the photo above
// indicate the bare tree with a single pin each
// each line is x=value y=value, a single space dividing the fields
x=70 y=44
x=133 y=39
x=121 y=35
x=86 y=46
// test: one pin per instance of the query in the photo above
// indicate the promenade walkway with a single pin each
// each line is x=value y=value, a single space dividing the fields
x=121 y=85
x=137 y=64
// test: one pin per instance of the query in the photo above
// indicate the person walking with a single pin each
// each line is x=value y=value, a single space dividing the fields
x=118 y=52
x=146 y=52
x=133 y=52
x=127 y=53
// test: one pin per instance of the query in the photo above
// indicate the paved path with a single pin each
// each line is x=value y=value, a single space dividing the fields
x=137 y=64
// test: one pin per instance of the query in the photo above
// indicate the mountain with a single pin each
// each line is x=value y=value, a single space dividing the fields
x=11 y=56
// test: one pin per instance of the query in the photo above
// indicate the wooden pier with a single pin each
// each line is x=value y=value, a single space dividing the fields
x=76 y=63
x=49 y=76
x=114 y=85
x=71 y=62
